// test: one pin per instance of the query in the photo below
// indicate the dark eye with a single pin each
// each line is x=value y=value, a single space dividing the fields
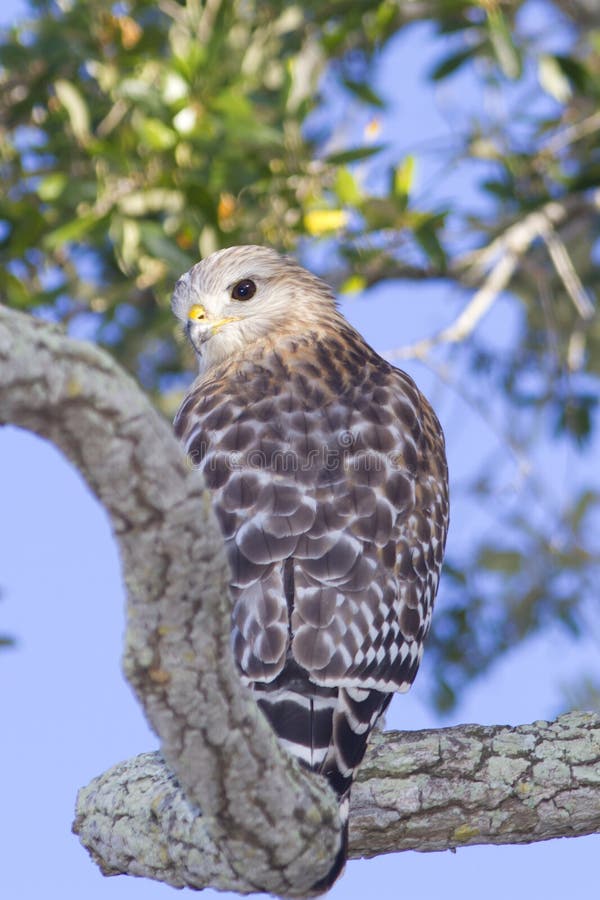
x=243 y=290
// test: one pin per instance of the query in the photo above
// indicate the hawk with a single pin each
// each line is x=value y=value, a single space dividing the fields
x=328 y=473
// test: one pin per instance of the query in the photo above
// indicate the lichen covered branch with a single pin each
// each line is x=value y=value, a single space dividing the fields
x=476 y=784
x=425 y=790
x=177 y=653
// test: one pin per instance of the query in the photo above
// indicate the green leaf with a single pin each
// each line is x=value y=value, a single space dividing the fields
x=323 y=221
x=553 y=79
x=503 y=189
x=70 y=232
x=452 y=63
x=427 y=237
x=175 y=88
x=575 y=71
x=155 y=134
x=506 y=52
x=404 y=175
x=381 y=212
x=347 y=188
x=185 y=120
x=13 y=290
x=364 y=92
x=51 y=186
x=14 y=56
x=357 y=153
x=72 y=100
x=575 y=417
x=138 y=90
x=353 y=285
x=141 y=203
x=234 y=105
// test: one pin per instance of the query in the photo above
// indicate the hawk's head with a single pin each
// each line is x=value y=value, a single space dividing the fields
x=240 y=294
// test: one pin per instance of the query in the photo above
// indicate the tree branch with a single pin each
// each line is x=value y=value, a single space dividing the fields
x=265 y=824
x=503 y=254
x=177 y=654
x=427 y=790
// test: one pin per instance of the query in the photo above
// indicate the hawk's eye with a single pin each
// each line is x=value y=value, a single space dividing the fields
x=243 y=290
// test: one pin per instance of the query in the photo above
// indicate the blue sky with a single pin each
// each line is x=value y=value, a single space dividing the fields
x=66 y=710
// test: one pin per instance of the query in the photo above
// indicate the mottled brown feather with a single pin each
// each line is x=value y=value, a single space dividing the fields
x=369 y=461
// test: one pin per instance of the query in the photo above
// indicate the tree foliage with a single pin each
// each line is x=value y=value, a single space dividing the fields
x=136 y=137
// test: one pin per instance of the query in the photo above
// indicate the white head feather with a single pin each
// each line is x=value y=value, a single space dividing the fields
x=287 y=298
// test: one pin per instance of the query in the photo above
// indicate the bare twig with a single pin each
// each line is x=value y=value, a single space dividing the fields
x=572 y=133
x=567 y=274
x=503 y=255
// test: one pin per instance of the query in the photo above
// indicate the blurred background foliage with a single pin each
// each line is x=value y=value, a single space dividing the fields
x=136 y=137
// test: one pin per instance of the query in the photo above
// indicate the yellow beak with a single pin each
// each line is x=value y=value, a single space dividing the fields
x=198 y=314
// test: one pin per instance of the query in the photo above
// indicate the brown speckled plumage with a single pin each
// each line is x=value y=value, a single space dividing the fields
x=329 y=477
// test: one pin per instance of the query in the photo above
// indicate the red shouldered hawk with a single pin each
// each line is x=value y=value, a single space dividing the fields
x=329 y=477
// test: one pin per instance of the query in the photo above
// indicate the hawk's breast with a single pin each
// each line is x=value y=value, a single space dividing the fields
x=330 y=484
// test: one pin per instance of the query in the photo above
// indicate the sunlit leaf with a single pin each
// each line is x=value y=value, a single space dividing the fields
x=51 y=186
x=76 y=107
x=155 y=134
x=404 y=175
x=185 y=120
x=353 y=285
x=347 y=188
x=553 y=79
x=175 y=88
x=322 y=221
x=140 y=203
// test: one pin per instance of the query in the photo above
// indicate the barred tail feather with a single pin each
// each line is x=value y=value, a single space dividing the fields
x=327 y=730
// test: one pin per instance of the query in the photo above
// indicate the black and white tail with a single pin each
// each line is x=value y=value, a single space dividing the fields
x=326 y=729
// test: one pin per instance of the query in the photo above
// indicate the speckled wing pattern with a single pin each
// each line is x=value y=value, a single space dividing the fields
x=330 y=484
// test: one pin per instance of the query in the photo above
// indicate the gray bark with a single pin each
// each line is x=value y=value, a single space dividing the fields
x=427 y=790
x=265 y=823
x=257 y=803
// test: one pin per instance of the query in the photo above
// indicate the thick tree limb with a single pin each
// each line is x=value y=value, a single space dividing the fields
x=265 y=825
x=424 y=790
x=475 y=784
x=177 y=655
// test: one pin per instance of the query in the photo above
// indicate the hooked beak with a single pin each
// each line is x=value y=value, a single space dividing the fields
x=208 y=326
